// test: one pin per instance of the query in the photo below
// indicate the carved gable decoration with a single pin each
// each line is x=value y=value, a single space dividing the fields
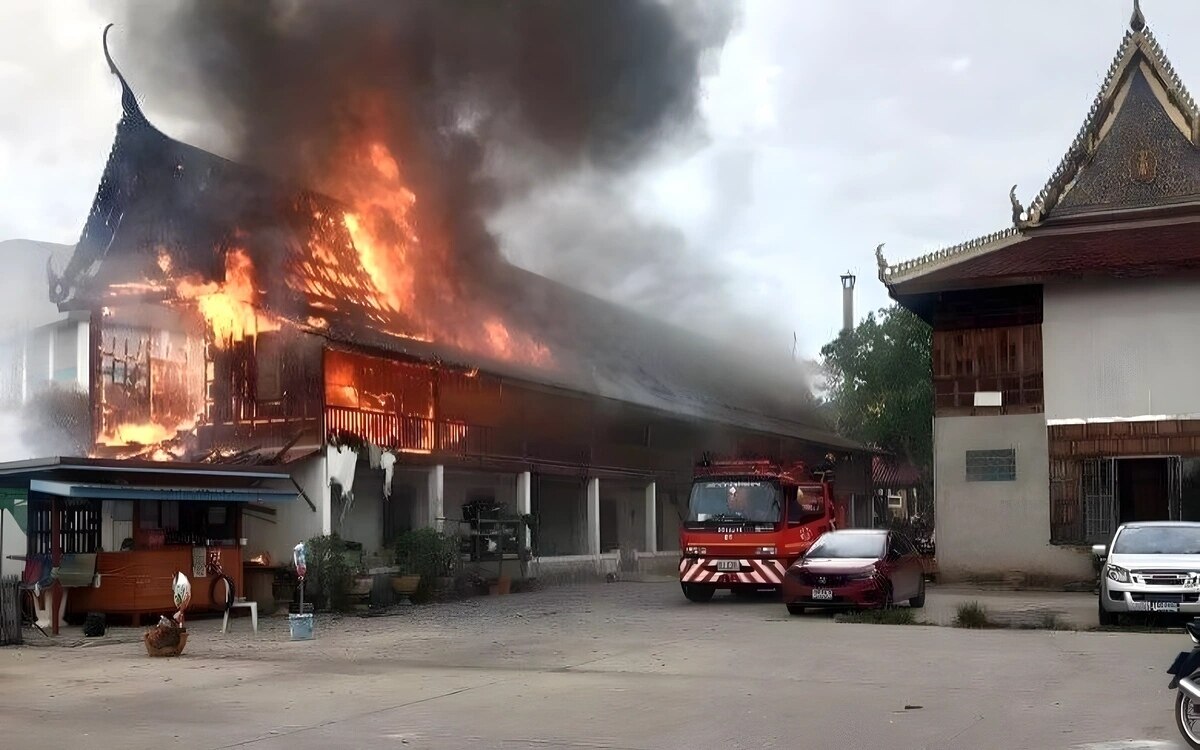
x=1142 y=161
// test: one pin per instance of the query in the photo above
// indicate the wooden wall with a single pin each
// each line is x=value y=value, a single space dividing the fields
x=502 y=423
x=988 y=340
x=1173 y=437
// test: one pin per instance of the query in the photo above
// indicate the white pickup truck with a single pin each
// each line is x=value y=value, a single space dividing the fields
x=1151 y=566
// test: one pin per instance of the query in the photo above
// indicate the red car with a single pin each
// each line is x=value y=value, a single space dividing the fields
x=860 y=568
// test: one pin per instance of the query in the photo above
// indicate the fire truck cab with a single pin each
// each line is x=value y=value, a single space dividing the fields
x=747 y=522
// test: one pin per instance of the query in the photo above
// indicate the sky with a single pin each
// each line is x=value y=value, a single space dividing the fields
x=831 y=127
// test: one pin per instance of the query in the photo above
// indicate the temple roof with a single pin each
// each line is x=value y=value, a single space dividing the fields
x=158 y=194
x=1135 y=158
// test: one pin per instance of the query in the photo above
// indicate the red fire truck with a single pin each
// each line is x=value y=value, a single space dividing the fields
x=747 y=522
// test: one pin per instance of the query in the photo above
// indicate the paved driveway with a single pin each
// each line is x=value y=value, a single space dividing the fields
x=626 y=665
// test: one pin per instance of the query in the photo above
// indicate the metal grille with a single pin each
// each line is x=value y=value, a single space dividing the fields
x=1099 y=498
x=1175 y=488
x=992 y=465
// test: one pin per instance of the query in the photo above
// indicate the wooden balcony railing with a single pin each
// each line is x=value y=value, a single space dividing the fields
x=411 y=434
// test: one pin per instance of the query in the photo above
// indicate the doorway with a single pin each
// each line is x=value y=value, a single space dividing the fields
x=1145 y=490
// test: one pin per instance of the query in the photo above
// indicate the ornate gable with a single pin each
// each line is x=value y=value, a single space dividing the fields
x=1139 y=146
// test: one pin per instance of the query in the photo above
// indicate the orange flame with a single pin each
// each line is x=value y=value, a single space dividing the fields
x=407 y=273
x=229 y=308
x=147 y=433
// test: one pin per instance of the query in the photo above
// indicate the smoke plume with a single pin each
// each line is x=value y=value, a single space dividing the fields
x=481 y=99
x=488 y=105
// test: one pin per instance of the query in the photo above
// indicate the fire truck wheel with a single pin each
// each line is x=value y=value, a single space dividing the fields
x=795 y=609
x=696 y=592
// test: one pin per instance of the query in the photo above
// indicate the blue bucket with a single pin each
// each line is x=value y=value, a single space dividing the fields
x=302 y=627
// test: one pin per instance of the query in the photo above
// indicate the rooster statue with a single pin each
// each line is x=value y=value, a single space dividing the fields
x=167 y=634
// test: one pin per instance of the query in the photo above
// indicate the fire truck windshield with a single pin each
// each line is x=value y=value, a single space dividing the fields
x=718 y=501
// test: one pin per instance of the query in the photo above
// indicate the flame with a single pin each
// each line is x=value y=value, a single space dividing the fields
x=409 y=273
x=146 y=433
x=230 y=307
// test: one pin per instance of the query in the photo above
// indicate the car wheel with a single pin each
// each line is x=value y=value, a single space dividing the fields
x=1107 y=619
x=795 y=609
x=918 y=601
x=696 y=592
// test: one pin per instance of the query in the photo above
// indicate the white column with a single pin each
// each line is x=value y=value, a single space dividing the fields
x=437 y=484
x=593 y=516
x=83 y=362
x=651 y=518
x=524 y=504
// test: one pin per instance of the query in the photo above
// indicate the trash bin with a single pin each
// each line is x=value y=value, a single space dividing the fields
x=302 y=627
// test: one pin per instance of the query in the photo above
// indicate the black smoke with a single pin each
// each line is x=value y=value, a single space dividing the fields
x=484 y=98
x=488 y=103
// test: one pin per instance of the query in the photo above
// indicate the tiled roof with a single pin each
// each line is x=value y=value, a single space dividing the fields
x=1145 y=250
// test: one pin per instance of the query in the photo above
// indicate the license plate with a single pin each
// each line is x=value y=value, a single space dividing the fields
x=1164 y=606
x=733 y=565
x=825 y=594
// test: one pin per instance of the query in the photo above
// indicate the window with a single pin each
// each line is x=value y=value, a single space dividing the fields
x=268 y=385
x=992 y=466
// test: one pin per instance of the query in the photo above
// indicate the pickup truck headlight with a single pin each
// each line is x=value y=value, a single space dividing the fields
x=1116 y=573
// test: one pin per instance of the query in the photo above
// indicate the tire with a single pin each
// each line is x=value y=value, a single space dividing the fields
x=1182 y=705
x=227 y=604
x=918 y=601
x=795 y=609
x=698 y=592
x=1107 y=619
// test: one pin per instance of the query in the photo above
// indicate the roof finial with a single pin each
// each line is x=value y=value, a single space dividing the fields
x=1137 y=21
x=1017 y=208
x=128 y=101
x=880 y=261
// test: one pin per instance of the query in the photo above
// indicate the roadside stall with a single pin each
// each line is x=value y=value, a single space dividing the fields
x=105 y=541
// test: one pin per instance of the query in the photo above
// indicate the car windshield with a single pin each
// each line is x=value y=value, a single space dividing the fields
x=718 y=501
x=848 y=546
x=1158 y=540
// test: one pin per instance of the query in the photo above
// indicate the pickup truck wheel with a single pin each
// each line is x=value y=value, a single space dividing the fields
x=697 y=592
x=1107 y=619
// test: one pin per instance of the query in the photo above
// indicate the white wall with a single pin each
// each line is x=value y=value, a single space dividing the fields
x=14 y=543
x=994 y=529
x=294 y=521
x=1121 y=348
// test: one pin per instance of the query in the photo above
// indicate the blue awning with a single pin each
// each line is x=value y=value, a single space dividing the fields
x=191 y=494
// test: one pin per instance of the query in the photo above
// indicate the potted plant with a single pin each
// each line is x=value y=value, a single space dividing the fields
x=423 y=556
x=330 y=575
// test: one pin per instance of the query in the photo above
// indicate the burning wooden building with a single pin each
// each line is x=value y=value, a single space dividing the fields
x=237 y=320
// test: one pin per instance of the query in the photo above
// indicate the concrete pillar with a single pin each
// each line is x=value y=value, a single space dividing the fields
x=593 y=516
x=651 y=518
x=434 y=513
x=524 y=500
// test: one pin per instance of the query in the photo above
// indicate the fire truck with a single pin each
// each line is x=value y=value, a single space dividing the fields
x=747 y=522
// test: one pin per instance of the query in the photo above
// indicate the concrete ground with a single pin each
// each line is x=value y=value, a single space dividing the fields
x=620 y=666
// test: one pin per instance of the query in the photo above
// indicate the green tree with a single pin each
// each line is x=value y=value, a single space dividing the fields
x=878 y=379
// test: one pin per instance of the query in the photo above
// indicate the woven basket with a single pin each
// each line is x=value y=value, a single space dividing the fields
x=175 y=650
